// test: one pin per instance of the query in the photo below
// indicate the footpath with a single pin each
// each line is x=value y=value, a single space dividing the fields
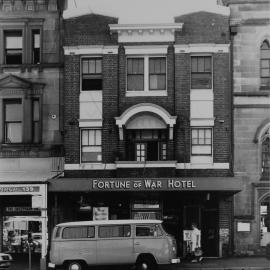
x=232 y=263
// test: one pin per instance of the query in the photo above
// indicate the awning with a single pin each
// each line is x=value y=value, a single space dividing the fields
x=224 y=184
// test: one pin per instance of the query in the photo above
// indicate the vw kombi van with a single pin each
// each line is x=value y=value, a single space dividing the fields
x=143 y=243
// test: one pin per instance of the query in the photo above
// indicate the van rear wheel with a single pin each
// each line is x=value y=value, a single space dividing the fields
x=146 y=263
x=75 y=265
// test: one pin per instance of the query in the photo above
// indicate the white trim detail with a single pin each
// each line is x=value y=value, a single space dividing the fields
x=146 y=164
x=262 y=100
x=146 y=49
x=145 y=107
x=146 y=32
x=88 y=49
x=84 y=123
x=149 y=93
x=202 y=48
x=190 y=166
x=202 y=122
x=90 y=166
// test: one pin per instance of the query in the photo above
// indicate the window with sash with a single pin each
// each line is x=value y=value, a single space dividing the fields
x=91 y=74
x=201 y=72
x=91 y=146
x=13 y=116
x=201 y=141
x=13 y=47
x=146 y=73
x=266 y=156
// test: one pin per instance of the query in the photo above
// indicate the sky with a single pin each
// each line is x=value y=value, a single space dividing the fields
x=142 y=11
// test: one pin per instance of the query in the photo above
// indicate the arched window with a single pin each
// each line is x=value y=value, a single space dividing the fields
x=265 y=64
x=266 y=155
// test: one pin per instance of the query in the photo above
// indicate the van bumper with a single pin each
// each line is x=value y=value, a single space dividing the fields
x=176 y=260
x=51 y=265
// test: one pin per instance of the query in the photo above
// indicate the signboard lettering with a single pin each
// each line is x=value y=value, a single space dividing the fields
x=144 y=184
x=20 y=189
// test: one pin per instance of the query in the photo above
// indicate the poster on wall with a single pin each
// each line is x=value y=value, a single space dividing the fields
x=100 y=213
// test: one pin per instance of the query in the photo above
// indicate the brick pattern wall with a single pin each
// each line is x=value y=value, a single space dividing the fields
x=177 y=102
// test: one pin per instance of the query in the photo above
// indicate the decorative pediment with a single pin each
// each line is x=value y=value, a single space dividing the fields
x=12 y=83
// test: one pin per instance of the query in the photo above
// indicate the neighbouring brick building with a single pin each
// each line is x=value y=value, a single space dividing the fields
x=250 y=35
x=31 y=145
x=148 y=126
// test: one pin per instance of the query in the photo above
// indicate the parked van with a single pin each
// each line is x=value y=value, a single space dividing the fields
x=143 y=243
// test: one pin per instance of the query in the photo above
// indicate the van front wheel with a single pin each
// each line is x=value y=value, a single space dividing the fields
x=75 y=265
x=146 y=263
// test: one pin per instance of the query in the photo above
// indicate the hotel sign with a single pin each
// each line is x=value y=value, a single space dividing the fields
x=142 y=184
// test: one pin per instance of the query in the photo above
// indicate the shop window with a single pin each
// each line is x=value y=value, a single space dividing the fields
x=13 y=121
x=36 y=46
x=201 y=72
x=146 y=73
x=114 y=231
x=91 y=148
x=147 y=145
x=201 y=141
x=91 y=74
x=78 y=232
x=265 y=64
x=265 y=221
x=266 y=156
x=13 y=47
x=36 y=121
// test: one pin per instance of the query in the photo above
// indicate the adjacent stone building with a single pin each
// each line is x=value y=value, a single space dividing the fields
x=148 y=125
x=250 y=36
x=31 y=151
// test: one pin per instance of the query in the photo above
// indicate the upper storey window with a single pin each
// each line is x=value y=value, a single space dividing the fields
x=36 y=46
x=91 y=74
x=146 y=73
x=201 y=72
x=265 y=64
x=266 y=156
x=13 y=47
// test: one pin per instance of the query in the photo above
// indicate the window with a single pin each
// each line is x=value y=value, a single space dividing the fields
x=148 y=230
x=265 y=64
x=13 y=121
x=36 y=46
x=266 y=156
x=91 y=145
x=78 y=232
x=147 y=144
x=91 y=74
x=157 y=73
x=201 y=141
x=146 y=73
x=114 y=231
x=36 y=120
x=135 y=74
x=13 y=47
x=201 y=72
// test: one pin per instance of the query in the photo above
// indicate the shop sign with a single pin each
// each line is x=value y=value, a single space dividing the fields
x=19 y=209
x=19 y=189
x=187 y=235
x=142 y=184
x=100 y=213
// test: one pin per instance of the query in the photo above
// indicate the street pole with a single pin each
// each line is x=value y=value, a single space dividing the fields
x=29 y=256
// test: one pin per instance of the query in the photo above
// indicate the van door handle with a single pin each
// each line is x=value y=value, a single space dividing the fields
x=137 y=243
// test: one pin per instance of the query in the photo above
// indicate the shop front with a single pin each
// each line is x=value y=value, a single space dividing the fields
x=23 y=217
x=178 y=202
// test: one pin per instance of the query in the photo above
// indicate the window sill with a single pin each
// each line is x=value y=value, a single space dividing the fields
x=150 y=93
x=147 y=164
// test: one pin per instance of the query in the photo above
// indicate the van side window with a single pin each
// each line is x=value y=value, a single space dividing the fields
x=148 y=230
x=114 y=231
x=78 y=232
